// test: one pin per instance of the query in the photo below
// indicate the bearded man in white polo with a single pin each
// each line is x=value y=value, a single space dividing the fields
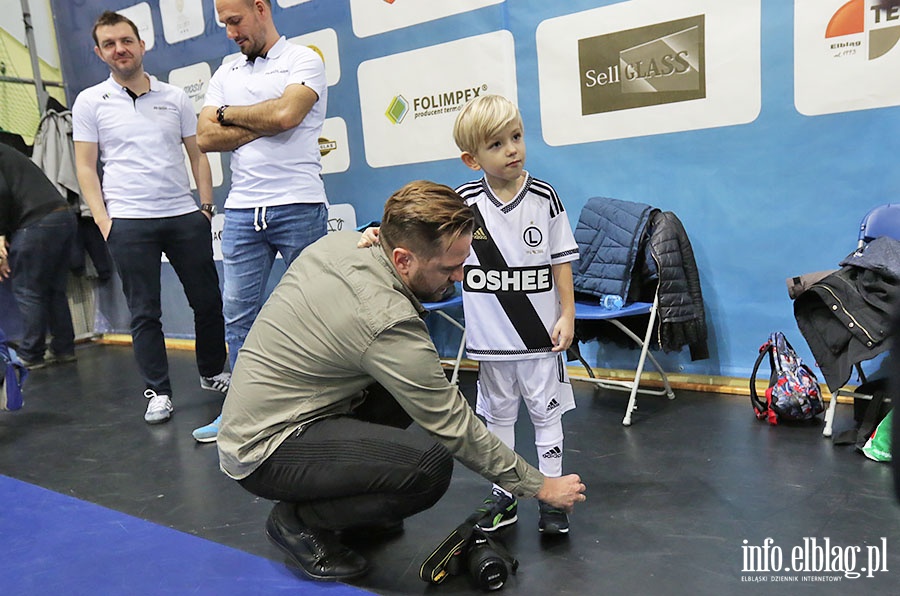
x=136 y=126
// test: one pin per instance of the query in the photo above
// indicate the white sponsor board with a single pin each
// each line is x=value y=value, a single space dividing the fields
x=341 y=218
x=846 y=55
x=325 y=43
x=646 y=67
x=181 y=19
x=334 y=147
x=139 y=14
x=218 y=224
x=289 y=3
x=215 y=167
x=409 y=101
x=370 y=17
x=194 y=79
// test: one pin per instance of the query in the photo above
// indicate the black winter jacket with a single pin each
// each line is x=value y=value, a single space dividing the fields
x=681 y=312
x=846 y=317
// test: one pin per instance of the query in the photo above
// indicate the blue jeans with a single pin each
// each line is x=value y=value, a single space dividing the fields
x=136 y=246
x=250 y=240
x=39 y=260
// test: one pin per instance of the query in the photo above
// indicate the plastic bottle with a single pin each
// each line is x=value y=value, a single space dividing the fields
x=611 y=302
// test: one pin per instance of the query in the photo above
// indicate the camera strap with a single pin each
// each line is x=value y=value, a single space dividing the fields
x=434 y=569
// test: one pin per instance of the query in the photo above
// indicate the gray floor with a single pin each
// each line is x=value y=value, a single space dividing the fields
x=676 y=501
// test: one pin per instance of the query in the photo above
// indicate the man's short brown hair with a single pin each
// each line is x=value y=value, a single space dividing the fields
x=425 y=218
x=110 y=19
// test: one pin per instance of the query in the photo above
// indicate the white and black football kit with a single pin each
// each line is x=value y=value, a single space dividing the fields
x=510 y=302
x=511 y=307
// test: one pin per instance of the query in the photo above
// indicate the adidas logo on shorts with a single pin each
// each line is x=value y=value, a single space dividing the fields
x=554 y=453
x=552 y=405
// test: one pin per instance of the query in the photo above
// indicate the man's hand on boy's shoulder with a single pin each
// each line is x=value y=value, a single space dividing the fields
x=369 y=237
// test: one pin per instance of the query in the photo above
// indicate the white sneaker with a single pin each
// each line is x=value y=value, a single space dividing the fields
x=220 y=382
x=159 y=409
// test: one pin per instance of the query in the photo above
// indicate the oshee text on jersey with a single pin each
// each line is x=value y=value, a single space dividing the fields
x=523 y=280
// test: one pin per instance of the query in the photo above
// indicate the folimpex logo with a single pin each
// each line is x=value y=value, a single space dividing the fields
x=846 y=31
x=397 y=109
x=657 y=64
x=426 y=106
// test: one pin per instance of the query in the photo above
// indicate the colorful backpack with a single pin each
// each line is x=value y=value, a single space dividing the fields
x=12 y=376
x=793 y=392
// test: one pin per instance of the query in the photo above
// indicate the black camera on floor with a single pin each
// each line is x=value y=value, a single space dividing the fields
x=488 y=563
x=468 y=549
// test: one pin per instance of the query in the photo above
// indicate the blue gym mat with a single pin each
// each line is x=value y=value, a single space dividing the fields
x=52 y=543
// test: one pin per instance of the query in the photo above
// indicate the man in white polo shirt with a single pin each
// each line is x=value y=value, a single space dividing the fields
x=266 y=107
x=137 y=125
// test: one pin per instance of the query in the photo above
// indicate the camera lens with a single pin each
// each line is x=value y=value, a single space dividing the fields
x=486 y=567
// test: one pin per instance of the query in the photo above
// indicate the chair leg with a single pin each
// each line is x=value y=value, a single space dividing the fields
x=829 y=415
x=645 y=348
x=462 y=346
x=665 y=378
x=640 y=343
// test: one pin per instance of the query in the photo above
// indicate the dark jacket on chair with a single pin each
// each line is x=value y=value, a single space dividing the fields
x=681 y=313
x=845 y=318
x=614 y=238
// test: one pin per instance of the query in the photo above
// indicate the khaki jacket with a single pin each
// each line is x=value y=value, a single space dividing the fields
x=340 y=320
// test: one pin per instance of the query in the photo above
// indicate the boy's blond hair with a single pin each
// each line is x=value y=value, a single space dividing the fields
x=481 y=119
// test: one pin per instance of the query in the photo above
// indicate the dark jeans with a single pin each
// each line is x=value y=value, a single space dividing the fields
x=39 y=261
x=137 y=246
x=345 y=471
x=89 y=242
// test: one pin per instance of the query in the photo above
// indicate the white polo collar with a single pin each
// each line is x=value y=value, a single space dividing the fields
x=274 y=52
x=154 y=83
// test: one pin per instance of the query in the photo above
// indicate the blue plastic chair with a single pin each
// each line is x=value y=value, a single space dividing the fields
x=594 y=312
x=438 y=309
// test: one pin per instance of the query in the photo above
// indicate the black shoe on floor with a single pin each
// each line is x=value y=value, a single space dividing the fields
x=552 y=520
x=51 y=357
x=318 y=553
x=33 y=364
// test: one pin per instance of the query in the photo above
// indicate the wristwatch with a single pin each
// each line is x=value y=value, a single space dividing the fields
x=220 y=115
x=209 y=208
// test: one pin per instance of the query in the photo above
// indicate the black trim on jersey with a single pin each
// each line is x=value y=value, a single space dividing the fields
x=516 y=201
x=564 y=253
x=543 y=189
x=519 y=309
x=508 y=352
x=470 y=189
x=538 y=187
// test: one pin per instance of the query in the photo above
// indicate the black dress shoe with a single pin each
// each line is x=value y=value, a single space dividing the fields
x=318 y=553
